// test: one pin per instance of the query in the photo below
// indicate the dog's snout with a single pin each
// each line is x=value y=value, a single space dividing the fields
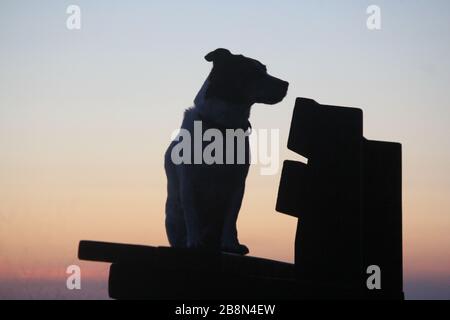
x=282 y=88
x=285 y=86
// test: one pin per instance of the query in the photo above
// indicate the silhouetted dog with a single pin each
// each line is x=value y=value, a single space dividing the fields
x=204 y=199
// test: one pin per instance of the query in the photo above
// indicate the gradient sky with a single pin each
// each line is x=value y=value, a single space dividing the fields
x=85 y=117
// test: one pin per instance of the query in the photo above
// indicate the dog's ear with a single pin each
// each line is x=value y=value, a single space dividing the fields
x=217 y=55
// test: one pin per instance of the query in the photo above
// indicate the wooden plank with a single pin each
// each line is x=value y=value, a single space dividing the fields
x=294 y=191
x=184 y=259
x=140 y=281
x=382 y=218
x=114 y=252
x=325 y=194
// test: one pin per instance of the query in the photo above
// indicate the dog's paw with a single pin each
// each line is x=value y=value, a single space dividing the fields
x=240 y=249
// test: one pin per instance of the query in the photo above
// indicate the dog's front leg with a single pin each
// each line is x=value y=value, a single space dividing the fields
x=204 y=211
x=230 y=241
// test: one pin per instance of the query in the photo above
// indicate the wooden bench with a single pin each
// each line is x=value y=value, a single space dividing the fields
x=145 y=272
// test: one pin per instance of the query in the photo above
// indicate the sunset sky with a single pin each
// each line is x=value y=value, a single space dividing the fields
x=86 y=115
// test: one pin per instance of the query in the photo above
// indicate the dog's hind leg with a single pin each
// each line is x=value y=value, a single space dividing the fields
x=175 y=222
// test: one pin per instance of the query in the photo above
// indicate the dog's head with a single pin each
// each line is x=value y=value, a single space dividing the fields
x=241 y=80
